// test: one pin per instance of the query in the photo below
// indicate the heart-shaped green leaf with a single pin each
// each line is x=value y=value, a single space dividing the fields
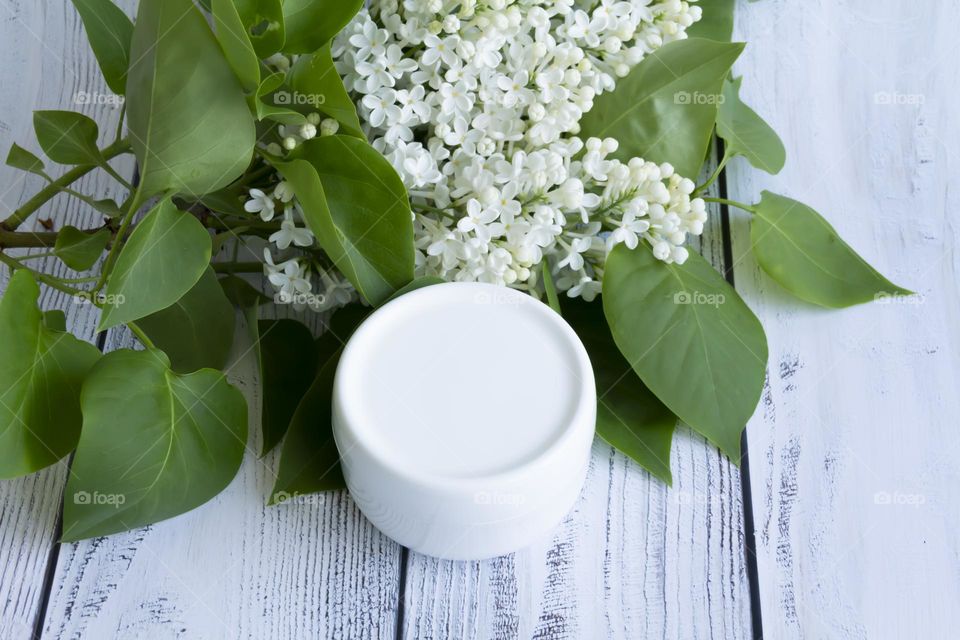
x=78 y=249
x=357 y=207
x=109 y=31
x=665 y=109
x=287 y=359
x=235 y=41
x=67 y=137
x=160 y=262
x=41 y=371
x=319 y=87
x=196 y=331
x=629 y=416
x=20 y=158
x=802 y=252
x=716 y=22
x=310 y=24
x=690 y=338
x=189 y=123
x=745 y=133
x=154 y=444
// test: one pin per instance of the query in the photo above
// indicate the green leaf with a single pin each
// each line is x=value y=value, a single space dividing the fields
x=288 y=357
x=310 y=461
x=310 y=24
x=55 y=320
x=235 y=41
x=357 y=207
x=154 y=444
x=109 y=31
x=20 y=158
x=67 y=137
x=690 y=338
x=161 y=261
x=665 y=109
x=263 y=20
x=629 y=416
x=802 y=252
x=41 y=371
x=717 y=21
x=196 y=331
x=78 y=249
x=108 y=208
x=315 y=81
x=267 y=98
x=745 y=133
x=190 y=126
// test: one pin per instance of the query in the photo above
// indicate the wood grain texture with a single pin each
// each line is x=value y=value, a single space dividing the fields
x=47 y=64
x=635 y=558
x=854 y=454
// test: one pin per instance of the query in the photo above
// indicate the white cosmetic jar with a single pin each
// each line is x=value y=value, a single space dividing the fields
x=464 y=415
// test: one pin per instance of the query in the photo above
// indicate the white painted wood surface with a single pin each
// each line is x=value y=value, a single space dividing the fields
x=860 y=410
x=855 y=452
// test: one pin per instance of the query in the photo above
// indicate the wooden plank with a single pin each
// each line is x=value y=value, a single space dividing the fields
x=854 y=455
x=313 y=567
x=48 y=65
x=635 y=558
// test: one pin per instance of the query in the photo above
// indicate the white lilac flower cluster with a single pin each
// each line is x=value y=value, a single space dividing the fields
x=477 y=104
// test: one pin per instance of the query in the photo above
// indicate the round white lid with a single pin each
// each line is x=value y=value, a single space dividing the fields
x=461 y=381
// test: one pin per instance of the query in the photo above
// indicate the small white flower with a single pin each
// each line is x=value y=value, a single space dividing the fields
x=289 y=234
x=628 y=231
x=260 y=203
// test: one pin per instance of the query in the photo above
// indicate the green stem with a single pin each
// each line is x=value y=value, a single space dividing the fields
x=141 y=336
x=135 y=203
x=123 y=115
x=56 y=186
x=713 y=176
x=732 y=203
x=116 y=176
x=15 y=264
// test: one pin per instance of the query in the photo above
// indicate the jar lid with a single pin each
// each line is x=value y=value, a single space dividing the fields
x=468 y=395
